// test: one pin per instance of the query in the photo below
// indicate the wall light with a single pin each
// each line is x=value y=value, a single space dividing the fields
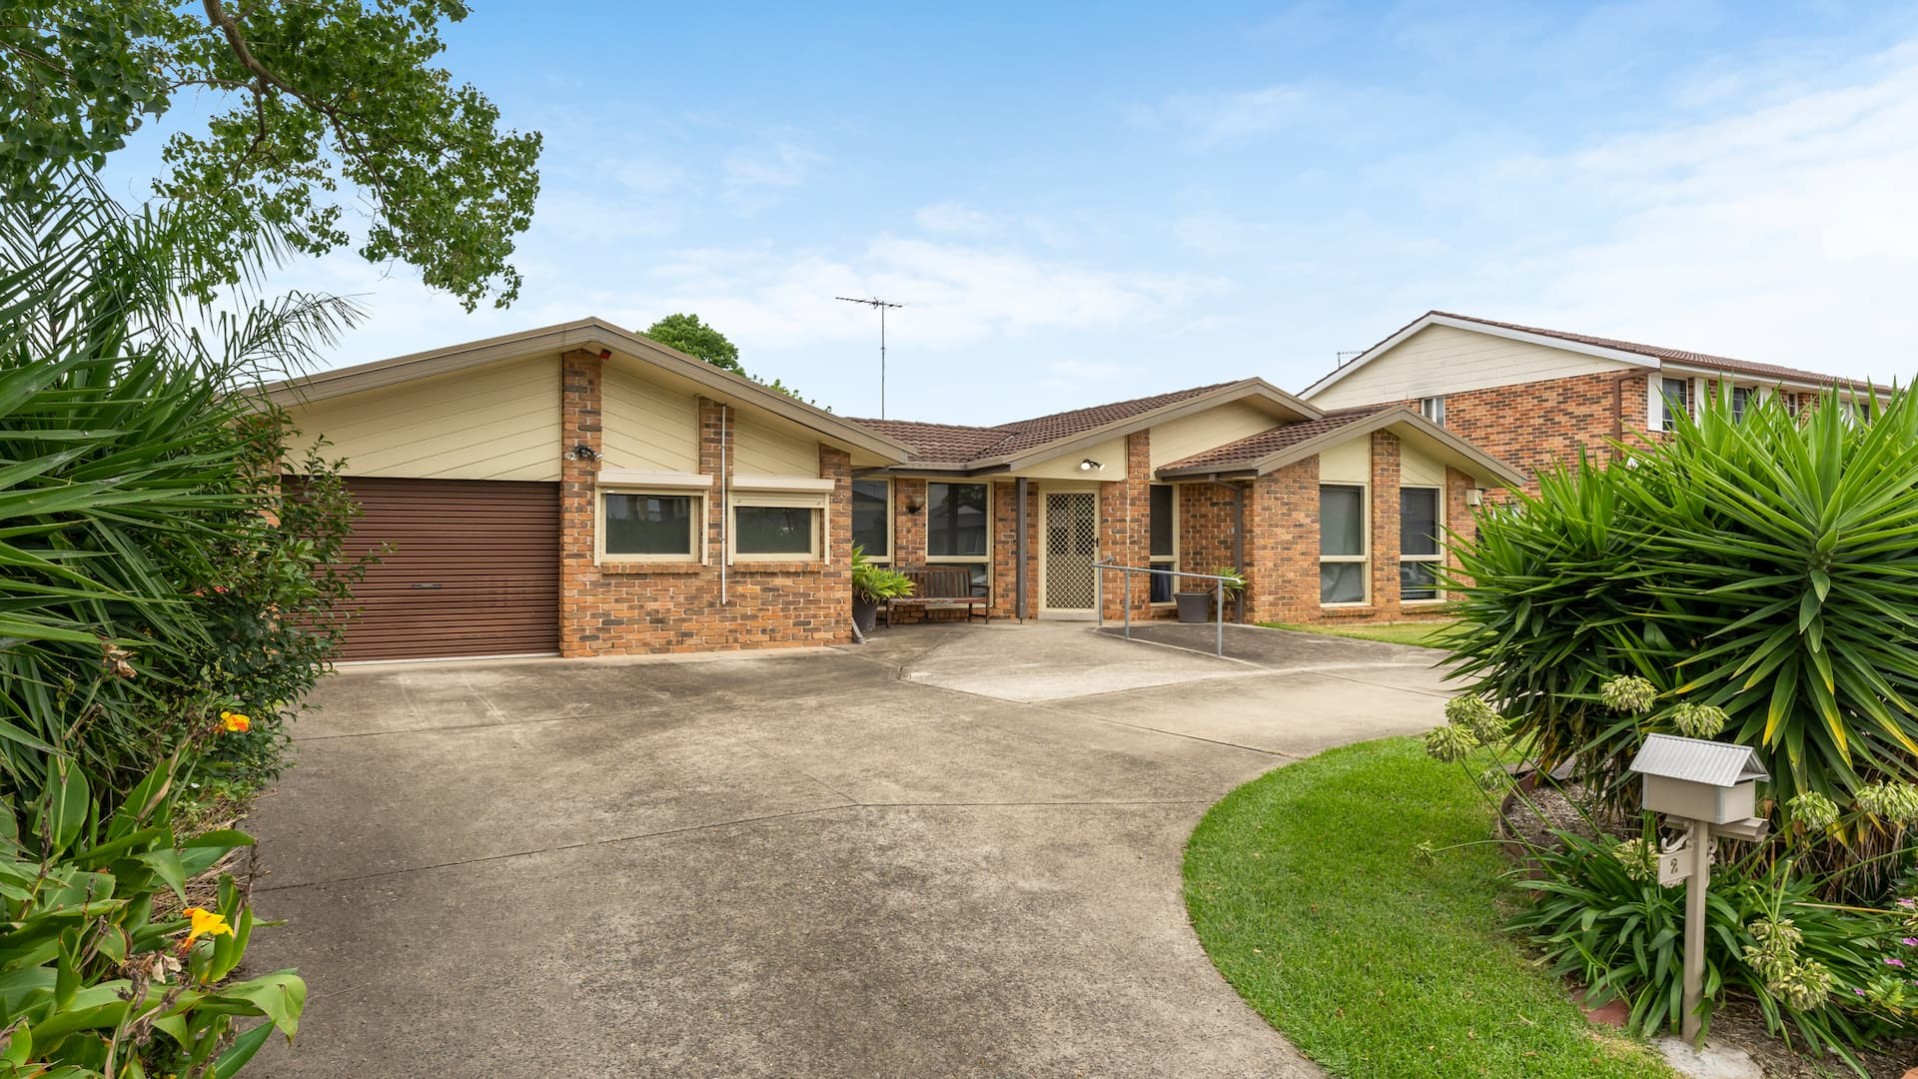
x=913 y=504
x=1090 y=465
x=582 y=452
x=1475 y=496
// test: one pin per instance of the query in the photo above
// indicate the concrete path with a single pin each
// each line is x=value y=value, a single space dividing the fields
x=953 y=851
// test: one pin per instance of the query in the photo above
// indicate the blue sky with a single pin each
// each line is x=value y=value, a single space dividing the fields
x=1088 y=202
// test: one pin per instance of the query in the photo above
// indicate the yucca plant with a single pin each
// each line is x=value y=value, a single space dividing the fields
x=1763 y=564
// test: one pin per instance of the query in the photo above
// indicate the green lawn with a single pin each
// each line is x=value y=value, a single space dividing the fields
x=1419 y=633
x=1304 y=889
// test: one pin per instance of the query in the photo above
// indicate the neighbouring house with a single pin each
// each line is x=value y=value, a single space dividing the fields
x=582 y=490
x=1326 y=515
x=1534 y=397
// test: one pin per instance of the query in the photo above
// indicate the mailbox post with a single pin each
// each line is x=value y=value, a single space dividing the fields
x=1713 y=787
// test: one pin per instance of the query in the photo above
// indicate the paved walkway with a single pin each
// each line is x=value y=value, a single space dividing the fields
x=953 y=851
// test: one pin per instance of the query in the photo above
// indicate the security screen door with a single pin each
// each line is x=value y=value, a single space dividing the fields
x=1072 y=544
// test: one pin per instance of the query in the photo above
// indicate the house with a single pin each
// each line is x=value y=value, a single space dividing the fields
x=1326 y=515
x=582 y=490
x=1533 y=397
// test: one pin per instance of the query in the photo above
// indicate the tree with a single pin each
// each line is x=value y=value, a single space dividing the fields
x=321 y=92
x=698 y=340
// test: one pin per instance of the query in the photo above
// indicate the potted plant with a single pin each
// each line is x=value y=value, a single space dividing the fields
x=1197 y=606
x=871 y=586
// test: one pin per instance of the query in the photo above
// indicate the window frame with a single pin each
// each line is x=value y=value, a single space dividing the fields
x=816 y=548
x=1436 y=558
x=1171 y=561
x=984 y=557
x=892 y=533
x=1741 y=401
x=1667 y=419
x=1363 y=559
x=1433 y=409
x=697 y=524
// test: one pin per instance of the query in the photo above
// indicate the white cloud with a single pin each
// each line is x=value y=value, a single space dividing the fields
x=956 y=217
x=778 y=163
x=954 y=294
x=1786 y=232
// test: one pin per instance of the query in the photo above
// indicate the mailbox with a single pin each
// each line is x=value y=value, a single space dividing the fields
x=1715 y=782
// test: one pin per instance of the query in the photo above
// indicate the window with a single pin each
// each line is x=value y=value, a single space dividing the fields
x=956 y=521
x=1433 y=408
x=1741 y=395
x=1675 y=397
x=1342 y=558
x=1420 y=549
x=781 y=532
x=643 y=525
x=872 y=518
x=1165 y=539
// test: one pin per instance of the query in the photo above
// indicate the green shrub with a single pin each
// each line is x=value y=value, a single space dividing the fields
x=92 y=982
x=872 y=583
x=151 y=575
x=1765 y=567
x=1835 y=977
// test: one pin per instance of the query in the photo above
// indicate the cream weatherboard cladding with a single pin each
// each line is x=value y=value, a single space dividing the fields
x=1178 y=439
x=759 y=447
x=646 y=425
x=1439 y=360
x=1110 y=455
x=1348 y=462
x=499 y=422
x=1418 y=470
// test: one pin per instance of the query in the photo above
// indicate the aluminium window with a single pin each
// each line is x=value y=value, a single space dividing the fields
x=1741 y=396
x=1164 y=514
x=1433 y=408
x=1343 y=552
x=872 y=518
x=1675 y=396
x=648 y=525
x=957 y=521
x=778 y=525
x=1421 y=543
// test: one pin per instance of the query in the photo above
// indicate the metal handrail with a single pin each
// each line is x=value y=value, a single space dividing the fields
x=1102 y=566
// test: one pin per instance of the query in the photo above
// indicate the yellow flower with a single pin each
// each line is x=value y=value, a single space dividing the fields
x=206 y=924
x=236 y=722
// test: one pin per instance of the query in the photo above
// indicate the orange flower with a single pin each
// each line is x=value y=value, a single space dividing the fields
x=236 y=722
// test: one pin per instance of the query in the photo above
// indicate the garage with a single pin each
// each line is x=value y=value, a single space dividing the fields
x=469 y=568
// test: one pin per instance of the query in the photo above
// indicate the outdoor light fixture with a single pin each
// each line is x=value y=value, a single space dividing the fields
x=913 y=504
x=582 y=452
x=1090 y=465
x=1475 y=496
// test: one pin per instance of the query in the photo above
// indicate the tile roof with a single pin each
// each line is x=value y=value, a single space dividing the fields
x=1674 y=355
x=946 y=443
x=1252 y=449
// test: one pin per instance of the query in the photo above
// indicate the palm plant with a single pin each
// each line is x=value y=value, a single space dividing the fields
x=130 y=455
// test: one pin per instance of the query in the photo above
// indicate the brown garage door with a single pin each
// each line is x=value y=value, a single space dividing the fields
x=473 y=569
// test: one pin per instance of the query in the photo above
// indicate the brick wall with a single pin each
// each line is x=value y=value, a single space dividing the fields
x=1125 y=526
x=1207 y=540
x=1534 y=424
x=1282 y=545
x=616 y=608
x=1005 y=549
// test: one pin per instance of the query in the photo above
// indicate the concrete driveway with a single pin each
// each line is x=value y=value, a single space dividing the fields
x=954 y=851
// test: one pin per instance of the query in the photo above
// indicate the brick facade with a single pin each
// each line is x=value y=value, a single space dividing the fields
x=624 y=608
x=1536 y=424
x=1125 y=527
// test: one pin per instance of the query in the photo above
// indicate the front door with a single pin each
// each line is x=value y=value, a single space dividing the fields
x=1070 y=523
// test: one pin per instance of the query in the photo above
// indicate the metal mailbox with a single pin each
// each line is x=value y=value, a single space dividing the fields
x=1714 y=782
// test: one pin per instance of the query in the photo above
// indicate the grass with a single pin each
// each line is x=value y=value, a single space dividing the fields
x=1425 y=634
x=1304 y=889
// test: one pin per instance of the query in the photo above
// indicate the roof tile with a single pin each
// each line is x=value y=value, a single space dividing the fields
x=946 y=443
x=1252 y=449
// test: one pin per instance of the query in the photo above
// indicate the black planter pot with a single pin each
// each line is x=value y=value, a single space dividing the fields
x=865 y=615
x=1194 y=606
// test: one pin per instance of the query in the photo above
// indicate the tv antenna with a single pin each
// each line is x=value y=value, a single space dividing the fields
x=880 y=306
